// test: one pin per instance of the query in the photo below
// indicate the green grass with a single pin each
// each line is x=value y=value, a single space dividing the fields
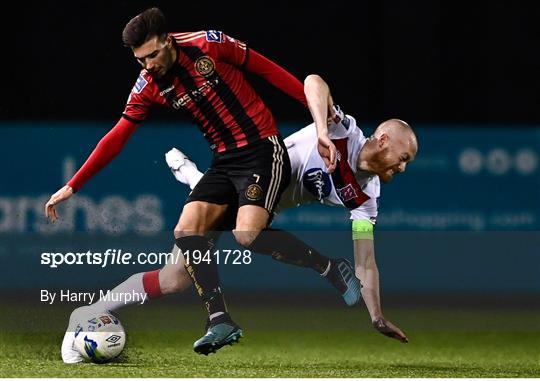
x=288 y=342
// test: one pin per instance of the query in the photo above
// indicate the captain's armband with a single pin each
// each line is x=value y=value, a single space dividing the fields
x=362 y=229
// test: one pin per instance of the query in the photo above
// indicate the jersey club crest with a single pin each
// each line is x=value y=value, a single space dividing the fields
x=205 y=66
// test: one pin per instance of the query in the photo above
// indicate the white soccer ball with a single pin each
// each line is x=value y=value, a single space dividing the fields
x=100 y=338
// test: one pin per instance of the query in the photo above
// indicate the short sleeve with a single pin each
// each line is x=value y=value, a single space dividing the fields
x=367 y=211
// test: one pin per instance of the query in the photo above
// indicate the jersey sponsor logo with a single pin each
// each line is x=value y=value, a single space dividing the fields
x=140 y=84
x=254 y=192
x=214 y=36
x=195 y=95
x=346 y=193
x=205 y=66
x=166 y=91
x=317 y=182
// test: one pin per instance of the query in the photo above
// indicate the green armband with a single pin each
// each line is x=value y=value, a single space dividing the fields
x=362 y=229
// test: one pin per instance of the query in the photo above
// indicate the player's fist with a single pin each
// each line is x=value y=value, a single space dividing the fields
x=388 y=329
x=328 y=152
x=62 y=194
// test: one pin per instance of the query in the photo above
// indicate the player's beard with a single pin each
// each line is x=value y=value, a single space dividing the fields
x=381 y=167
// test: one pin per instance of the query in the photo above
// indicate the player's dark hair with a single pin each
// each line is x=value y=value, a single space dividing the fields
x=143 y=27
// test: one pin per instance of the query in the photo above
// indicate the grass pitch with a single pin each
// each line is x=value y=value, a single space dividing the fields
x=287 y=341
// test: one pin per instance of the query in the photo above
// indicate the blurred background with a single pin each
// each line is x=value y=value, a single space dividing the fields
x=461 y=226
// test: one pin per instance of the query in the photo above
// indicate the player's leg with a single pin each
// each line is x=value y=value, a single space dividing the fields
x=202 y=268
x=172 y=278
x=186 y=172
x=258 y=199
x=190 y=235
x=205 y=209
x=338 y=272
x=285 y=247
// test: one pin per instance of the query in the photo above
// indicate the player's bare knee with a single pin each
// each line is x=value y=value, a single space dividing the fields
x=183 y=230
x=188 y=226
x=245 y=237
x=198 y=218
x=251 y=220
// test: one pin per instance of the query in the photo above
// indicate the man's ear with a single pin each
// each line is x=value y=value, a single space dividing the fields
x=383 y=140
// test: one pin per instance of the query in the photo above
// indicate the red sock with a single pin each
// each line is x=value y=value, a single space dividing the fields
x=151 y=284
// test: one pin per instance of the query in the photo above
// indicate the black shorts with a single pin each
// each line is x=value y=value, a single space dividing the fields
x=256 y=174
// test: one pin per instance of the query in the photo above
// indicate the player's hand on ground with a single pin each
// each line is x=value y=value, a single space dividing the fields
x=388 y=329
x=328 y=152
x=62 y=194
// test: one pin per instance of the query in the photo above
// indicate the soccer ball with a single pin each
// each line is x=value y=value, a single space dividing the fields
x=100 y=338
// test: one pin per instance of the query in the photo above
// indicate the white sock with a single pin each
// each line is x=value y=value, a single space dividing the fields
x=188 y=173
x=216 y=314
x=132 y=285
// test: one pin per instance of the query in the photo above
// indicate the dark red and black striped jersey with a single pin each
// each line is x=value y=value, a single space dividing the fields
x=207 y=83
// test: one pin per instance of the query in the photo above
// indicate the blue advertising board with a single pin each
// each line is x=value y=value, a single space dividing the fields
x=471 y=181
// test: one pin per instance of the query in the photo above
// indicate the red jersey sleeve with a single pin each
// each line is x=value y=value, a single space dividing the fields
x=106 y=150
x=226 y=48
x=140 y=100
x=236 y=53
x=276 y=75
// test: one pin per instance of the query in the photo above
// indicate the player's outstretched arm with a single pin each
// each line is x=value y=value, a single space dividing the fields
x=61 y=195
x=275 y=75
x=106 y=150
x=320 y=105
x=368 y=273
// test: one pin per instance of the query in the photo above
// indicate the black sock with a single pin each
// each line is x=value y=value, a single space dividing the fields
x=204 y=274
x=285 y=247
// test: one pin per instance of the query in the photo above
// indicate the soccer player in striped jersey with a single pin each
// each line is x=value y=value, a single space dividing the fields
x=202 y=75
x=355 y=184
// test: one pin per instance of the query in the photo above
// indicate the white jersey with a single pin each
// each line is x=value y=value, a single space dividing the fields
x=347 y=187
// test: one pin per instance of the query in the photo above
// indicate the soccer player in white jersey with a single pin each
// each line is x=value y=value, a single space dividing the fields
x=332 y=163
